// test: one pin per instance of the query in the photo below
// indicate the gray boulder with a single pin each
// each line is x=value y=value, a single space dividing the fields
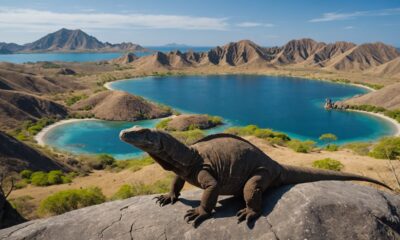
x=321 y=210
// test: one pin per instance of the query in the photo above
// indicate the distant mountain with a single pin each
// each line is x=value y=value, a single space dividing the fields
x=65 y=40
x=338 y=56
x=176 y=45
x=364 y=56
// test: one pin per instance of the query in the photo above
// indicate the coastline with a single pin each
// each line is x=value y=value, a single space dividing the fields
x=380 y=115
x=39 y=138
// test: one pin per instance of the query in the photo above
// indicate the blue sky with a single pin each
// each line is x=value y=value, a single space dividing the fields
x=204 y=22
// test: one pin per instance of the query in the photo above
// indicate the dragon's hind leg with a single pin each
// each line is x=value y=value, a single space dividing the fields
x=252 y=192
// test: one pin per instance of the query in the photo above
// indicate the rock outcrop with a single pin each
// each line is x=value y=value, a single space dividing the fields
x=120 y=106
x=321 y=210
x=191 y=121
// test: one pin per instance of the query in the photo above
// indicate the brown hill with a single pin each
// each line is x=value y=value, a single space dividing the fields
x=121 y=106
x=238 y=53
x=297 y=51
x=387 y=97
x=17 y=156
x=125 y=59
x=18 y=106
x=364 y=56
x=16 y=77
x=328 y=52
x=389 y=69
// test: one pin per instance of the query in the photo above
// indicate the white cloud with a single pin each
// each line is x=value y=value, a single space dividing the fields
x=31 y=19
x=254 y=24
x=335 y=16
x=348 y=27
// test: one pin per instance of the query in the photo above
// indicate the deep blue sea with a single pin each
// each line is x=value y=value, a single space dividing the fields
x=84 y=57
x=290 y=105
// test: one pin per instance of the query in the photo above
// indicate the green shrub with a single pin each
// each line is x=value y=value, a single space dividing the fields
x=26 y=174
x=332 y=147
x=215 y=120
x=39 y=179
x=21 y=184
x=387 y=148
x=133 y=164
x=106 y=159
x=74 y=99
x=301 y=146
x=188 y=137
x=127 y=191
x=264 y=133
x=65 y=201
x=163 y=124
x=54 y=177
x=328 y=137
x=328 y=163
x=359 y=148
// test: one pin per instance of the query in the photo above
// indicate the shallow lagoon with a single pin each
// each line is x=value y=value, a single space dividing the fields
x=290 y=105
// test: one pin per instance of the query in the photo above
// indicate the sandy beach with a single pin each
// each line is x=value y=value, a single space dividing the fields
x=391 y=120
x=40 y=136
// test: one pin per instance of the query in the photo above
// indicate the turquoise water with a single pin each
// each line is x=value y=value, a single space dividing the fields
x=290 y=105
x=82 y=57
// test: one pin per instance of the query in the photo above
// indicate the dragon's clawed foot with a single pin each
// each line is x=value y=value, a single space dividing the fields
x=247 y=214
x=197 y=215
x=166 y=199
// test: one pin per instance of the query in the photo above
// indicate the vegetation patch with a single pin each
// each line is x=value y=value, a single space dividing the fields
x=163 y=124
x=329 y=164
x=328 y=138
x=133 y=164
x=74 y=99
x=301 y=146
x=40 y=178
x=395 y=114
x=68 y=200
x=30 y=129
x=359 y=148
x=387 y=148
x=188 y=137
x=127 y=191
x=263 y=133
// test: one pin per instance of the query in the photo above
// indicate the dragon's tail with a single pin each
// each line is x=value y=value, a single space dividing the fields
x=293 y=175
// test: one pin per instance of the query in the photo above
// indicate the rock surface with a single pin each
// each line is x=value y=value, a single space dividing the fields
x=321 y=210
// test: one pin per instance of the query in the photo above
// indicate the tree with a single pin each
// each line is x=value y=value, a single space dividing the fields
x=328 y=138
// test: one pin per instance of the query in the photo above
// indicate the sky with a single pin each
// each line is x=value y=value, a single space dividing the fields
x=204 y=22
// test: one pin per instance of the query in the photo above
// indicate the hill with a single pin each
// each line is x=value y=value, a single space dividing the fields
x=333 y=210
x=364 y=57
x=66 y=40
x=387 y=97
x=16 y=107
x=305 y=53
x=17 y=156
x=389 y=69
x=20 y=78
x=120 y=106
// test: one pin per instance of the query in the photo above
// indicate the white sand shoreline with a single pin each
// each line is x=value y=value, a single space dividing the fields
x=41 y=135
x=380 y=115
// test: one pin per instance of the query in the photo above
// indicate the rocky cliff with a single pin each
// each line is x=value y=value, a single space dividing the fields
x=321 y=210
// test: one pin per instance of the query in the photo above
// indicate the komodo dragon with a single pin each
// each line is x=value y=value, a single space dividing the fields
x=223 y=164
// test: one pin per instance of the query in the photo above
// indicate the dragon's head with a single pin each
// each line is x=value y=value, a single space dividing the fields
x=145 y=139
x=169 y=152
